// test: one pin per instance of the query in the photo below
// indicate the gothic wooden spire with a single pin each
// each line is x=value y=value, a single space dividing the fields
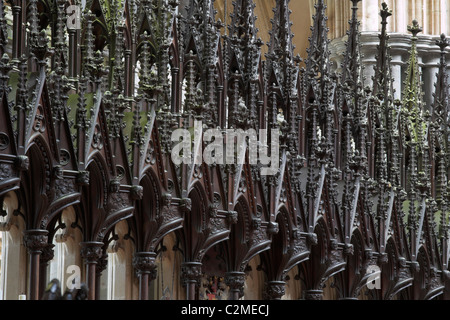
x=282 y=72
x=382 y=81
x=386 y=112
x=88 y=56
x=201 y=38
x=202 y=29
x=318 y=60
x=280 y=56
x=244 y=53
x=82 y=122
x=243 y=23
x=352 y=81
x=243 y=38
x=114 y=98
x=441 y=105
x=412 y=93
x=440 y=118
x=281 y=45
x=352 y=75
x=59 y=82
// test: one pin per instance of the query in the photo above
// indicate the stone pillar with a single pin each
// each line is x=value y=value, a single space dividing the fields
x=91 y=253
x=370 y=16
x=144 y=263
x=401 y=16
x=430 y=69
x=397 y=75
x=191 y=273
x=400 y=45
x=369 y=43
x=236 y=281
x=275 y=290
x=430 y=54
x=35 y=241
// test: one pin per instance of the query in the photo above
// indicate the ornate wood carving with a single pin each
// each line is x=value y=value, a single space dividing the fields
x=362 y=180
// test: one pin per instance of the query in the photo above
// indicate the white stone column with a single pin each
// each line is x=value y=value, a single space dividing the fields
x=370 y=15
x=397 y=75
x=391 y=26
x=429 y=52
x=445 y=15
x=401 y=16
x=369 y=41
x=416 y=13
x=400 y=45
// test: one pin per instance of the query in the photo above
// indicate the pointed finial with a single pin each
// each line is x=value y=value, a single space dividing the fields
x=443 y=42
x=415 y=29
x=385 y=12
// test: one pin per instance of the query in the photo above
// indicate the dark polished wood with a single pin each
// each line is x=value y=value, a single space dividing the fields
x=86 y=122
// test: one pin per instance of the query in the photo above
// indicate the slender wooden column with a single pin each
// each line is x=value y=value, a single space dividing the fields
x=174 y=97
x=91 y=252
x=144 y=263
x=73 y=63
x=46 y=256
x=128 y=75
x=191 y=275
x=101 y=266
x=35 y=241
x=17 y=32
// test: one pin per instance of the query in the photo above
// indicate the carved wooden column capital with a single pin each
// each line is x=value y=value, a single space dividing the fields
x=91 y=251
x=236 y=282
x=35 y=240
x=191 y=272
x=144 y=263
x=314 y=295
x=275 y=290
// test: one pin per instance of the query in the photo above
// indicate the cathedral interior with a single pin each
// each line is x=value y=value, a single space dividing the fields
x=349 y=97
